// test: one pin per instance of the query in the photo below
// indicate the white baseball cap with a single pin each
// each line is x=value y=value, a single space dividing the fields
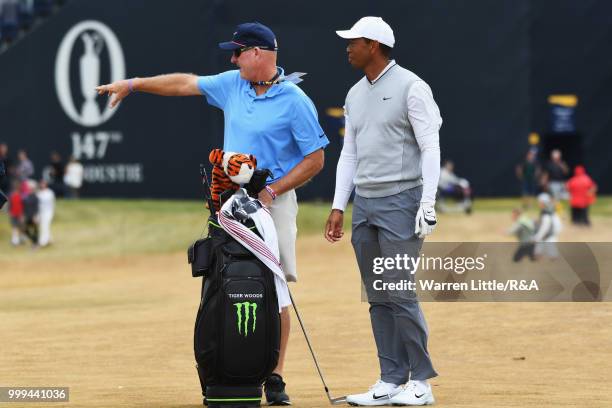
x=373 y=28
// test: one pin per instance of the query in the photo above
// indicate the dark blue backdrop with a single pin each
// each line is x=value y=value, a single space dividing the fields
x=491 y=65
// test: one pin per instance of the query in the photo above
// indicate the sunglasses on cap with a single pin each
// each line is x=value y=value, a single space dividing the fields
x=239 y=51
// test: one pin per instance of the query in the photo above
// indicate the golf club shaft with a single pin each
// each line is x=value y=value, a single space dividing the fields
x=309 y=345
x=207 y=191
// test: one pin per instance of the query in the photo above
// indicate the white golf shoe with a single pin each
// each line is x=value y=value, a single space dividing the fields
x=414 y=393
x=378 y=394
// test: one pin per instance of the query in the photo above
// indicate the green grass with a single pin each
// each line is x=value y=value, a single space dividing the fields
x=97 y=228
x=113 y=228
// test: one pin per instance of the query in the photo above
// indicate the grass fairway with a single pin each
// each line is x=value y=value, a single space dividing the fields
x=114 y=228
x=108 y=311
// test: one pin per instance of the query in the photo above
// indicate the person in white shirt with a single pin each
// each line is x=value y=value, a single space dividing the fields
x=454 y=187
x=73 y=177
x=46 y=210
x=449 y=181
x=391 y=156
x=548 y=228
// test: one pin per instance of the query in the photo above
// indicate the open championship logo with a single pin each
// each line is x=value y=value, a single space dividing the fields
x=95 y=36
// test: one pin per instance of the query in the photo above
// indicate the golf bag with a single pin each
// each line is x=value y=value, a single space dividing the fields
x=237 y=328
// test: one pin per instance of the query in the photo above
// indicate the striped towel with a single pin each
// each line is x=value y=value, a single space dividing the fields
x=266 y=249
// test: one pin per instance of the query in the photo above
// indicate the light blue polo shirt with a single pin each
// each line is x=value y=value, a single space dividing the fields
x=279 y=127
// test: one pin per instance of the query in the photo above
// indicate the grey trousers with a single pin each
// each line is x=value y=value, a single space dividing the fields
x=384 y=227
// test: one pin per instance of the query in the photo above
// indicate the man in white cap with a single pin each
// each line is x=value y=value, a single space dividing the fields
x=391 y=155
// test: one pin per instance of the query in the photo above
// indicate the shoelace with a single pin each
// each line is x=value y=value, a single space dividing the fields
x=412 y=387
x=374 y=385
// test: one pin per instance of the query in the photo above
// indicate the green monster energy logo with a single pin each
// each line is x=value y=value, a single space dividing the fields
x=246 y=307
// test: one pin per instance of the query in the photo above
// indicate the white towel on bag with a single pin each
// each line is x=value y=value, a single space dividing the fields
x=266 y=249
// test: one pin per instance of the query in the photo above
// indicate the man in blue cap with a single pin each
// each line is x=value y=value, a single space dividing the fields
x=267 y=116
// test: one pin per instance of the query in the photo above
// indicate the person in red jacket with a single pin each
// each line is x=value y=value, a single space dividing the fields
x=582 y=191
x=15 y=210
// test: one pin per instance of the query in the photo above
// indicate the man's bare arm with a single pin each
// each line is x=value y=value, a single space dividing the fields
x=300 y=174
x=165 y=85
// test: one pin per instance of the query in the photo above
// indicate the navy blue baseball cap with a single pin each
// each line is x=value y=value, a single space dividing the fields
x=251 y=35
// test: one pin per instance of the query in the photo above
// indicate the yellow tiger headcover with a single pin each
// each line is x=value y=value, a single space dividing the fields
x=229 y=171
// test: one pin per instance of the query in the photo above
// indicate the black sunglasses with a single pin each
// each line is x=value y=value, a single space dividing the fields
x=239 y=51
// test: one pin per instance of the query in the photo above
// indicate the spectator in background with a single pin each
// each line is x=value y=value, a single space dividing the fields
x=73 y=177
x=528 y=174
x=57 y=169
x=523 y=228
x=582 y=192
x=3 y=198
x=9 y=19
x=30 y=211
x=449 y=182
x=26 y=13
x=453 y=186
x=25 y=168
x=557 y=172
x=548 y=228
x=46 y=210
x=5 y=182
x=16 y=215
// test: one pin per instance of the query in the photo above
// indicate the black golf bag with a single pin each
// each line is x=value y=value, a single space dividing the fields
x=237 y=328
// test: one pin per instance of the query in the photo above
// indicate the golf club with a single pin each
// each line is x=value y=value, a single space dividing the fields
x=207 y=190
x=332 y=401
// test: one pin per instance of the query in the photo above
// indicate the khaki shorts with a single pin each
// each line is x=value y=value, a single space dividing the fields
x=284 y=213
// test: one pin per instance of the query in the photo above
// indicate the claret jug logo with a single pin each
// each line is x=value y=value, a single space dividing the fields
x=94 y=37
x=246 y=312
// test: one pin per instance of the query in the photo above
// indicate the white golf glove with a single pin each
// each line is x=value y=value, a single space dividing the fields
x=426 y=220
